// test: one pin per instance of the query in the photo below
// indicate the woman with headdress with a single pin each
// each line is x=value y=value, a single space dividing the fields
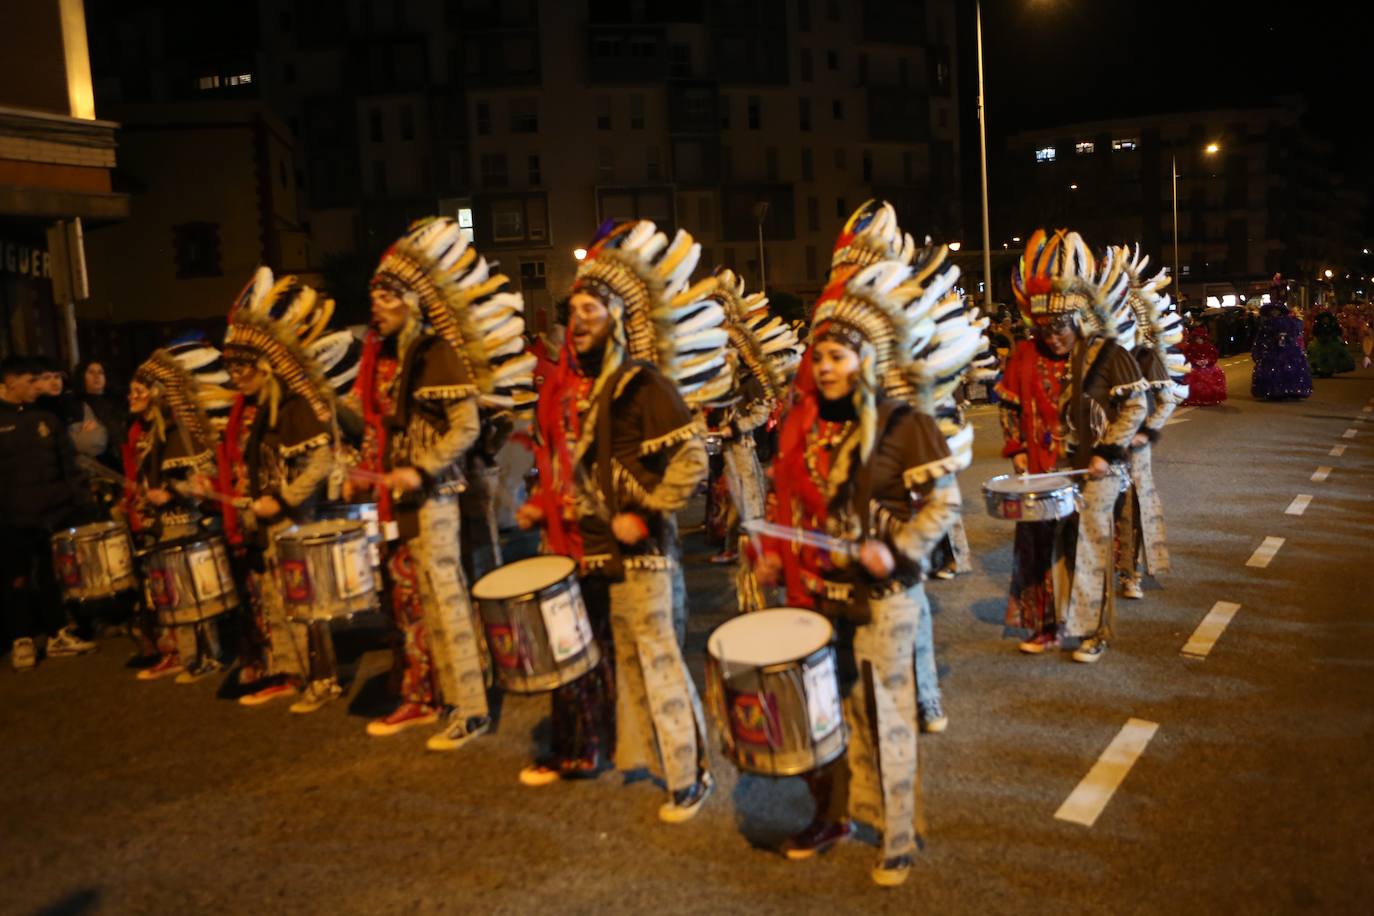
x=1281 y=372
x=277 y=458
x=171 y=442
x=628 y=450
x=1158 y=330
x=446 y=340
x=861 y=458
x=1070 y=397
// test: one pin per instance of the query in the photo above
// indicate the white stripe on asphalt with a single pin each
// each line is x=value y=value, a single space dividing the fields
x=1210 y=630
x=1264 y=554
x=1299 y=504
x=1349 y=434
x=1090 y=797
x=1337 y=451
x=1321 y=474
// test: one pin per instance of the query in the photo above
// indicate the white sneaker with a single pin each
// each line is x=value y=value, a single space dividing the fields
x=23 y=656
x=66 y=642
x=458 y=732
x=315 y=696
x=1130 y=588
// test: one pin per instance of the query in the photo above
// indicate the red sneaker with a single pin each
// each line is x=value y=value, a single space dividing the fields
x=266 y=694
x=1039 y=643
x=166 y=667
x=407 y=715
x=725 y=556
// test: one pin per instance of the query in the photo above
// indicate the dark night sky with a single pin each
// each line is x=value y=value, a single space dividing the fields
x=1051 y=62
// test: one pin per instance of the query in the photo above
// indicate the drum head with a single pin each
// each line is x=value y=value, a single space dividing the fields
x=95 y=530
x=523 y=577
x=769 y=637
x=1014 y=486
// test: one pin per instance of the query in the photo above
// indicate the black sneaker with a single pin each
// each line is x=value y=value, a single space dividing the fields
x=1090 y=651
x=816 y=839
x=892 y=871
x=687 y=802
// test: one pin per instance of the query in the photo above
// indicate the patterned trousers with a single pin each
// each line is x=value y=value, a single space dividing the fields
x=744 y=475
x=659 y=722
x=481 y=536
x=1142 y=521
x=880 y=710
x=276 y=645
x=1092 y=603
x=440 y=654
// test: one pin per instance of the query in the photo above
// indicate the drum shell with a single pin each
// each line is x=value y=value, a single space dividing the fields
x=774 y=696
x=94 y=561
x=519 y=643
x=1048 y=505
x=367 y=514
x=310 y=581
x=189 y=580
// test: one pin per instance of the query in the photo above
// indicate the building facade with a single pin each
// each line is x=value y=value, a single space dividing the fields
x=1253 y=195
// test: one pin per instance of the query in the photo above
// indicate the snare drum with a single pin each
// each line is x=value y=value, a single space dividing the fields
x=536 y=623
x=326 y=570
x=93 y=561
x=773 y=687
x=1038 y=499
x=366 y=513
x=189 y=580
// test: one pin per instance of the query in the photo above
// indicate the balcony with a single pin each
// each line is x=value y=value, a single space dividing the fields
x=626 y=54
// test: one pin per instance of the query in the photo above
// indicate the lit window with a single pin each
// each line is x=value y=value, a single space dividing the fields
x=241 y=79
x=1126 y=144
x=208 y=82
x=1044 y=154
x=464 y=217
x=1085 y=147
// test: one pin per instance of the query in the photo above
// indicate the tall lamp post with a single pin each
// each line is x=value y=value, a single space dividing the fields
x=983 y=160
x=1210 y=149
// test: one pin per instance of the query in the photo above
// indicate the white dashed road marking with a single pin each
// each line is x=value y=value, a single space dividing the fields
x=1299 y=504
x=1264 y=554
x=1320 y=475
x=1090 y=797
x=1210 y=630
x=1337 y=451
x=1349 y=434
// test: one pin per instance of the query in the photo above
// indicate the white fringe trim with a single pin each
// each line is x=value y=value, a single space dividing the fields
x=695 y=428
x=924 y=473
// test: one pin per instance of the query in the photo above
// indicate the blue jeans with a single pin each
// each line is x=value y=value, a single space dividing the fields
x=927 y=679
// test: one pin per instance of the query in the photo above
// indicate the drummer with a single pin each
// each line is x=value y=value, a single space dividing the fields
x=633 y=453
x=1070 y=398
x=428 y=366
x=278 y=456
x=170 y=442
x=861 y=465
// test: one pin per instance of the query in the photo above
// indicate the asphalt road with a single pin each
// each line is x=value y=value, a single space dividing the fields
x=1253 y=795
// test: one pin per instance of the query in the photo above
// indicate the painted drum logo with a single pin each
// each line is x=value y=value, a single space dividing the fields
x=295 y=581
x=1011 y=508
x=505 y=647
x=163 y=586
x=68 y=570
x=754 y=719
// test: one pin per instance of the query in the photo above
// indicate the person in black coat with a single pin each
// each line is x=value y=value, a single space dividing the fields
x=91 y=383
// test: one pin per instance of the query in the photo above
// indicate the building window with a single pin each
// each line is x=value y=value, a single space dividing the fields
x=837 y=109
x=636 y=112
x=508 y=221
x=603 y=112
x=708 y=218
x=679 y=61
x=813 y=214
x=804 y=113
x=832 y=60
x=1044 y=154
x=810 y=262
x=806 y=65
x=536 y=174
x=839 y=157
x=841 y=208
x=803 y=15
x=1128 y=143
x=378 y=177
x=868 y=167
x=755 y=114
x=374 y=120
x=524 y=116
x=240 y=79
x=651 y=166
x=605 y=164
x=808 y=164
x=407 y=122
x=532 y=275
x=770 y=159
x=483 y=118
x=196 y=248
x=1085 y=147
x=494 y=170
x=908 y=167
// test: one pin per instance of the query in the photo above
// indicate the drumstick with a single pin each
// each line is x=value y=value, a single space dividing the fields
x=369 y=476
x=800 y=535
x=99 y=469
x=1053 y=474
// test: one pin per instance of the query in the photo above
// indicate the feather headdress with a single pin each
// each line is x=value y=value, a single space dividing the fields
x=1056 y=277
x=870 y=235
x=473 y=308
x=190 y=375
x=1158 y=323
x=765 y=346
x=657 y=317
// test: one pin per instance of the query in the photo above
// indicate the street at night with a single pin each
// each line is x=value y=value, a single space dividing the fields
x=1241 y=773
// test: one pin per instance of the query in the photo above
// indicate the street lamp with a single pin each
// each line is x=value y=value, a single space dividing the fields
x=761 y=213
x=579 y=253
x=1328 y=273
x=983 y=160
x=1210 y=149
x=955 y=246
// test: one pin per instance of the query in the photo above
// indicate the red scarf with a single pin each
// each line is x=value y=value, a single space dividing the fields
x=373 y=417
x=1038 y=390
x=229 y=455
x=559 y=422
x=128 y=453
x=792 y=483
